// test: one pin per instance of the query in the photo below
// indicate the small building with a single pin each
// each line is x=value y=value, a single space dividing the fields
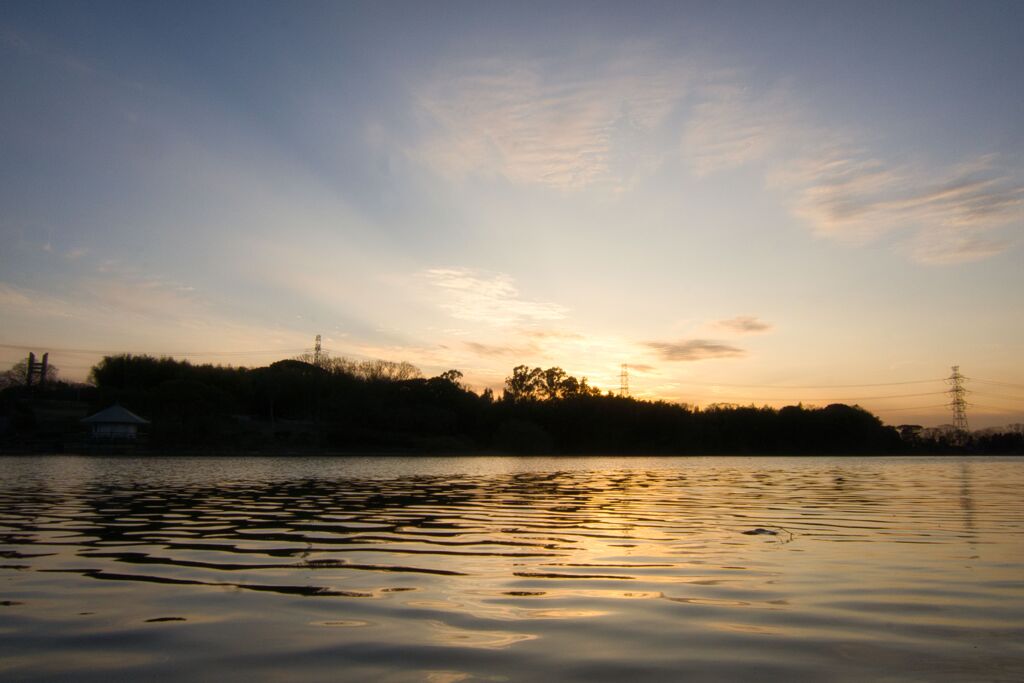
x=115 y=423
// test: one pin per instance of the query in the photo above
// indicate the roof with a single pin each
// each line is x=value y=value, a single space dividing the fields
x=116 y=414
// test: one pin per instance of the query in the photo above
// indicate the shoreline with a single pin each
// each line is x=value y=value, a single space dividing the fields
x=193 y=453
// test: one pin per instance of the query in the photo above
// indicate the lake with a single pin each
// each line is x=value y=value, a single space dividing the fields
x=511 y=569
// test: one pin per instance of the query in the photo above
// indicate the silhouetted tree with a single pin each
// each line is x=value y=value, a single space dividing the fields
x=524 y=384
x=452 y=376
x=17 y=375
x=545 y=385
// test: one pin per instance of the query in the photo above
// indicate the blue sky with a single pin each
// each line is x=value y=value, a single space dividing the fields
x=772 y=195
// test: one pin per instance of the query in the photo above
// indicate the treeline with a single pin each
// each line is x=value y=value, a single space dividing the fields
x=334 y=404
x=340 y=404
x=329 y=404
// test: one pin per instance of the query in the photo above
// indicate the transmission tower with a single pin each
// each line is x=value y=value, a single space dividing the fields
x=36 y=373
x=317 y=353
x=624 y=381
x=956 y=399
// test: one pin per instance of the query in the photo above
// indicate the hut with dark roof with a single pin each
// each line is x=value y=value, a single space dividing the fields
x=115 y=423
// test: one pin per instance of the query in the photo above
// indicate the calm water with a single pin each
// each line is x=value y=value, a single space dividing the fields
x=517 y=569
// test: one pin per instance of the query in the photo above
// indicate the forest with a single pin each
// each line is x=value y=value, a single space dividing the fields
x=324 y=404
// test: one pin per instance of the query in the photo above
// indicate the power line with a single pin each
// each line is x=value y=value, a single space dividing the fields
x=892 y=410
x=294 y=351
x=107 y=352
x=825 y=398
x=997 y=383
x=1007 y=398
x=814 y=386
x=1002 y=409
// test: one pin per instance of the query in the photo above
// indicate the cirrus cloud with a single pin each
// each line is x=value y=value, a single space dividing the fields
x=953 y=215
x=694 y=349
x=844 y=191
x=469 y=294
x=744 y=324
x=731 y=126
x=565 y=125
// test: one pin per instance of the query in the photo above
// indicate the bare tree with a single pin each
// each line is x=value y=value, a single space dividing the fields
x=17 y=376
x=371 y=370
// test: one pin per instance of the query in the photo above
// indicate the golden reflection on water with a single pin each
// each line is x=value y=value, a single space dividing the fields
x=445 y=634
x=597 y=568
x=447 y=676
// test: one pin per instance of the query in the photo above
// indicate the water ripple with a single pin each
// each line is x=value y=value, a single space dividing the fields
x=586 y=569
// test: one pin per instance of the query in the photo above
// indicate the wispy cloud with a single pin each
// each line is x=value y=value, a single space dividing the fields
x=498 y=350
x=15 y=300
x=570 y=125
x=845 y=192
x=694 y=349
x=744 y=324
x=138 y=313
x=145 y=298
x=943 y=245
x=563 y=125
x=489 y=298
x=642 y=368
x=542 y=334
x=731 y=126
x=952 y=214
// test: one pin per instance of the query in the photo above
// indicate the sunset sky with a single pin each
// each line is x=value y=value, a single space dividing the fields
x=745 y=202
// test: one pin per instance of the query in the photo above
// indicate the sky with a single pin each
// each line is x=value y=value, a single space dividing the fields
x=765 y=203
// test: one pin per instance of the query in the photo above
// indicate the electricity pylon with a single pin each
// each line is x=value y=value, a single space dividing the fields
x=956 y=400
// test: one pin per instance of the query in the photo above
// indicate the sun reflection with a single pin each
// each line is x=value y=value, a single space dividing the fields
x=445 y=634
x=532 y=556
